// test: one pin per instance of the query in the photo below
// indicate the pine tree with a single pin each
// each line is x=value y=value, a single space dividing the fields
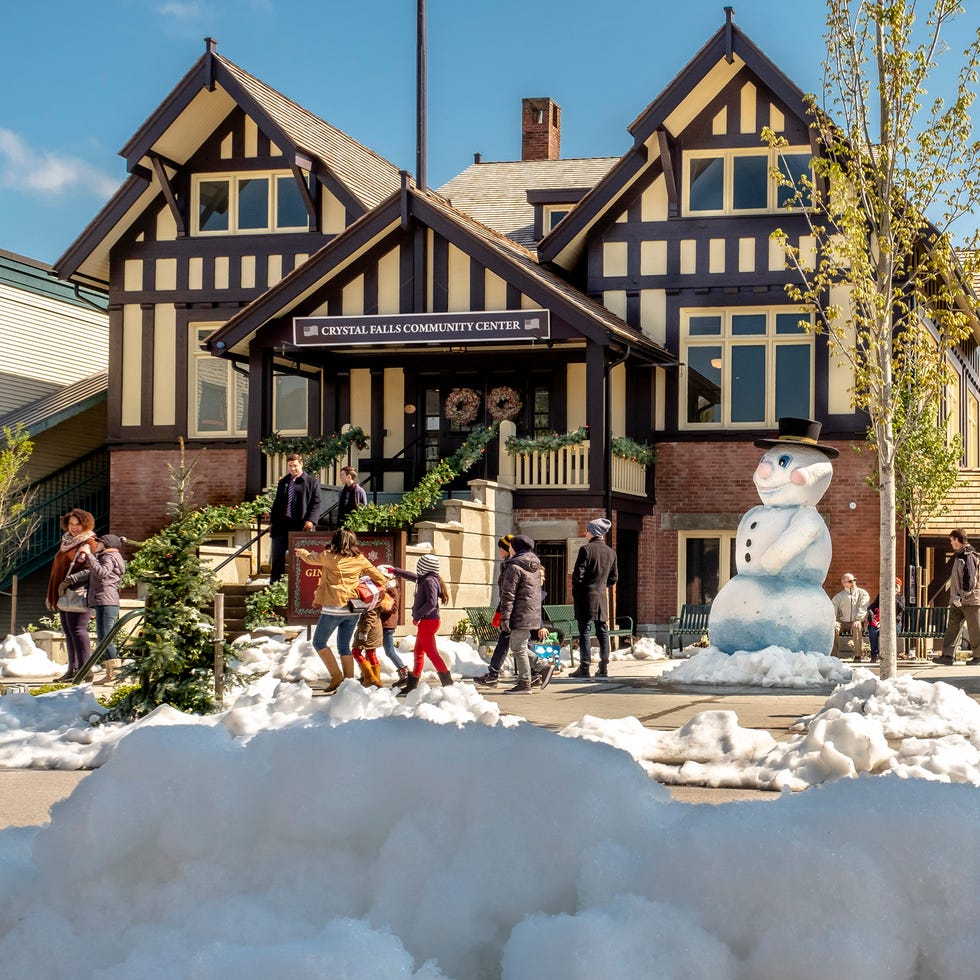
x=170 y=660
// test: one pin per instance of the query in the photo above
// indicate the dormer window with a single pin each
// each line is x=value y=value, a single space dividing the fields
x=229 y=204
x=718 y=182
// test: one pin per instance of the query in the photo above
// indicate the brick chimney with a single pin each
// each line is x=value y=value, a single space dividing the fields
x=540 y=129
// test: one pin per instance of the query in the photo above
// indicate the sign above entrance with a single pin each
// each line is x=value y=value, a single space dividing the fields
x=421 y=328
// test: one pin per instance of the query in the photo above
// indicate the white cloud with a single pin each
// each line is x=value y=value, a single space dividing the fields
x=25 y=169
x=181 y=11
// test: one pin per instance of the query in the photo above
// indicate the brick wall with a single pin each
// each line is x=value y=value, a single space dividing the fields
x=141 y=485
x=715 y=479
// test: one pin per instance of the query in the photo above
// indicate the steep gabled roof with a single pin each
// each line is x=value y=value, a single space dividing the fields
x=189 y=115
x=726 y=53
x=512 y=262
x=495 y=193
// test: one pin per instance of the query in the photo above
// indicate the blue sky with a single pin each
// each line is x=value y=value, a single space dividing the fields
x=80 y=78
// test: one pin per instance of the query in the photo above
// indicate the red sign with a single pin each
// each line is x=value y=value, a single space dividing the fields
x=379 y=549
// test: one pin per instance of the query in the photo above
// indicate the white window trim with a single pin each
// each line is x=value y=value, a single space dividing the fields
x=728 y=190
x=233 y=177
x=197 y=356
x=725 y=571
x=283 y=430
x=726 y=342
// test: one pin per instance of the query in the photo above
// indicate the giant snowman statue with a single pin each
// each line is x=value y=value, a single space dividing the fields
x=782 y=552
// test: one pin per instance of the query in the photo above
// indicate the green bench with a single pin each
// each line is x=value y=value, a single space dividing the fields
x=693 y=621
x=923 y=623
x=481 y=625
x=562 y=617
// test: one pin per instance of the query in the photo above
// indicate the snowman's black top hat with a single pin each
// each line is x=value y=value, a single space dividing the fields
x=799 y=432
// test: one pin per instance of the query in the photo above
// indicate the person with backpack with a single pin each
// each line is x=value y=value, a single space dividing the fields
x=964 y=600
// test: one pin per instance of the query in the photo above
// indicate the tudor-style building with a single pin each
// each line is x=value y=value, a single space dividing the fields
x=662 y=294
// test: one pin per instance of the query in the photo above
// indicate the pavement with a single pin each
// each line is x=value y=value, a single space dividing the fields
x=634 y=688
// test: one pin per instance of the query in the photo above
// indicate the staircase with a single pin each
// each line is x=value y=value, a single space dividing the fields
x=85 y=484
x=235 y=596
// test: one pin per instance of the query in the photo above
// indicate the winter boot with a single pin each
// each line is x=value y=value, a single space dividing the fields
x=582 y=671
x=348 y=664
x=487 y=680
x=545 y=675
x=523 y=686
x=411 y=682
x=446 y=678
x=111 y=669
x=365 y=670
x=330 y=662
x=402 y=673
x=602 y=670
x=374 y=670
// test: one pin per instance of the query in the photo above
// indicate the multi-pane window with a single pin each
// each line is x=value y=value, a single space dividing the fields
x=745 y=367
x=542 y=411
x=217 y=394
x=706 y=562
x=290 y=405
x=741 y=181
x=246 y=203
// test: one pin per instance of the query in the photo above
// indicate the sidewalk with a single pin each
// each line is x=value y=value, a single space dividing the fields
x=634 y=688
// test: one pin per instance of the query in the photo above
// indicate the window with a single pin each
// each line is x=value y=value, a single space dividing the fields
x=740 y=181
x=290 y=405
x=248 y=203
x=745 y=367
x=542 y=411
x=706 y=561
x=218 y=395
x=552 y=216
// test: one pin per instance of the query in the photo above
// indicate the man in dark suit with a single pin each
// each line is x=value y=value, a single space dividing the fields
x=296 y=507
x=595 y=570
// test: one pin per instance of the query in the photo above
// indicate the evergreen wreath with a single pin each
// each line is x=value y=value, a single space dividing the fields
x=462 y=405
x=504 y=404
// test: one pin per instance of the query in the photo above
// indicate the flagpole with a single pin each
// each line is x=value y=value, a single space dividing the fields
x=420 y=133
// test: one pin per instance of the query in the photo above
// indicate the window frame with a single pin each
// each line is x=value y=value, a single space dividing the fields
x=271 y=226
x=726 y=340
x=726 y=559
x=197 y=332
x=728 y=156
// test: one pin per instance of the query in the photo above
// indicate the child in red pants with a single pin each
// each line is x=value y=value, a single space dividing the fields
x=429 y=591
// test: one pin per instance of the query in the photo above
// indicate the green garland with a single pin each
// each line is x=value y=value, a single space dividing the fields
x=621 y=446
x=317 y=451
x=638 y=452
x=393 y=517
x=546 y=444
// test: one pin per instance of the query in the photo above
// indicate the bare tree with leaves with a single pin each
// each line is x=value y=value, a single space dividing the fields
x=17 y=521
x=896 y=167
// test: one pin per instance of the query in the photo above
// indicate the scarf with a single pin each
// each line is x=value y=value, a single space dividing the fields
x=68 y=541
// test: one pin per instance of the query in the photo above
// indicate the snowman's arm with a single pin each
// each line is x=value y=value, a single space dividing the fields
x=801 y=532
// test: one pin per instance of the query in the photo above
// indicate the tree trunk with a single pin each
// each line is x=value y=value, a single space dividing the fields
x=888 y=641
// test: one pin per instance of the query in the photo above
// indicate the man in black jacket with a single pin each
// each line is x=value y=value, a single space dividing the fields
x=296 y=507
x=595 y=570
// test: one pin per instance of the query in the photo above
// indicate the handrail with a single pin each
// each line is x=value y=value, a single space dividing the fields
x=99 y=651
x=248 y=544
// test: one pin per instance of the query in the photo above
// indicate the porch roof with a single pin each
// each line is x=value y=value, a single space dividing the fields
x=515 y=264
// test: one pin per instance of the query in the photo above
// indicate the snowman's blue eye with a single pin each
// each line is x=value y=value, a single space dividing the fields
x=784 y=461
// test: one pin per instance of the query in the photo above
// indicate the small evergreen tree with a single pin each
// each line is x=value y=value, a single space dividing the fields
x=172 y=655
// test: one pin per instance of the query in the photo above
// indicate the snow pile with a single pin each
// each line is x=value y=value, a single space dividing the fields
x=938 y=727
x=386 y=848
x=644 y=648
x=19 y=657
x=771 y=667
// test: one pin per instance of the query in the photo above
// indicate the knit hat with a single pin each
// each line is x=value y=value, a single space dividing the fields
x=112 y=541
x=599 y=528
x=522 y=543
x=504 y=543
x=426 y=564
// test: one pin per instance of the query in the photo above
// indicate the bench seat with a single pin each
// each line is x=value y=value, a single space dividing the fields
x=693 y=621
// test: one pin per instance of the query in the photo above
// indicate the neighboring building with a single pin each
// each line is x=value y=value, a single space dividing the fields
x=645 y=299
x=53 y=382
